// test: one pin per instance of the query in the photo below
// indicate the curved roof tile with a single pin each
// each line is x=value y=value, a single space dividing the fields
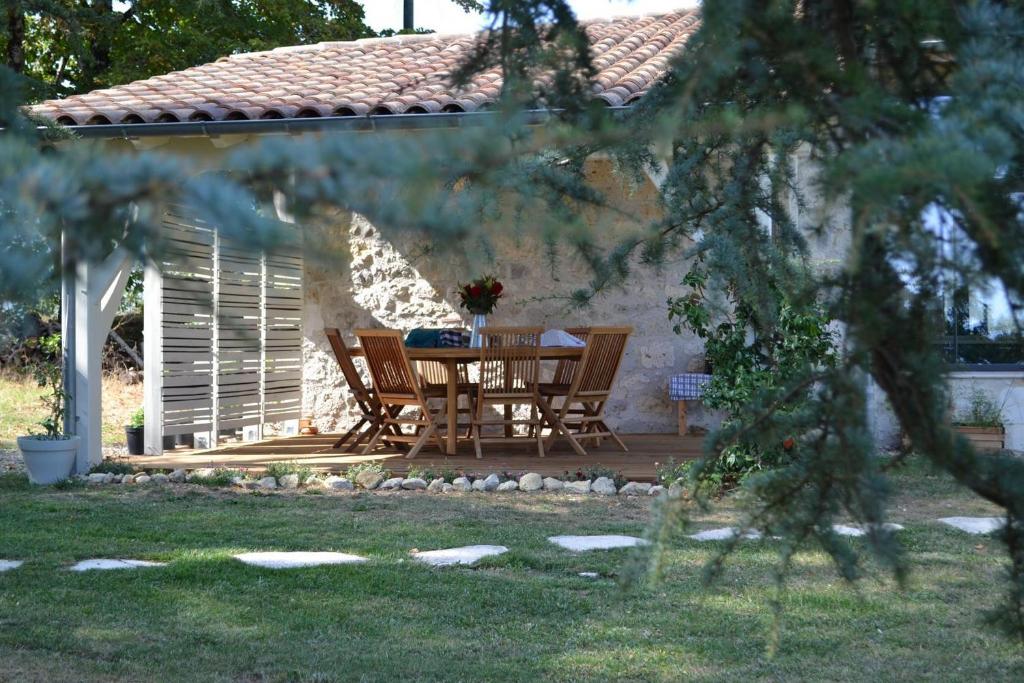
x=376 y=76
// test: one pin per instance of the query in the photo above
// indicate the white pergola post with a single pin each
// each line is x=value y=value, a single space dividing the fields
x=97 y=296
x=152 y=373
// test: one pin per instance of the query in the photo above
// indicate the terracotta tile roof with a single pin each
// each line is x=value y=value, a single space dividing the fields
x=401 y=75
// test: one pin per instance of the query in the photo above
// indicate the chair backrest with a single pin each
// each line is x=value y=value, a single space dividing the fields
x=433 y=373
x=348 y=368
x=600 y=362
x=565 y=370
x=390 y=369
x=510 y=360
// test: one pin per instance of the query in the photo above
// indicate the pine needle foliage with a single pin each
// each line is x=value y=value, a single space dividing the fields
x=906 y=109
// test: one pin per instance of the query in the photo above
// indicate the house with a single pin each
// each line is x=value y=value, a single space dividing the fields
x=262 y=358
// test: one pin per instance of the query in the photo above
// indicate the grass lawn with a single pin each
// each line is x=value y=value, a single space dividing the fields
x=20 y=410
x=526 y=615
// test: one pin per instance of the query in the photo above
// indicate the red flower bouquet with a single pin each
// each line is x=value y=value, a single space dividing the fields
x=480 y=296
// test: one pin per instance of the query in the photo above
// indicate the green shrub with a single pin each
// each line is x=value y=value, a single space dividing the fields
x=138 y=419
x=670 y=472
x=112 y=466
x=355 y=470
x=280 y=469
x=981 y=412
x=221 y=477
x=598 y=470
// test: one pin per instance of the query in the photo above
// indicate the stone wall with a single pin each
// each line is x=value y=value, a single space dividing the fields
x=394 y=281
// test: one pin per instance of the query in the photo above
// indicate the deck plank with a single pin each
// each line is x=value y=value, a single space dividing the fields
x=640 y=463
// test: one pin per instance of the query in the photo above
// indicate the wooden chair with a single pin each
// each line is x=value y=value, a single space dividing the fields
x=565 y=370
x=583 y=403
x=397 y=385
x=372 y=411
x=434 y=374
x=509 y=373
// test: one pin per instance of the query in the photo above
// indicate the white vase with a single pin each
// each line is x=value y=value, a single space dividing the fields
x=479 y=323
x=48 y=460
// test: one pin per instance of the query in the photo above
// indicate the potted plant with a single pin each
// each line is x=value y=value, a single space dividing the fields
x=479 y=297
x=50 y=455
x=134 y=433
x=981 y=423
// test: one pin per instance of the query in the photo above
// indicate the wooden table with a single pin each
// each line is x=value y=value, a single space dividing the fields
x=451 y=358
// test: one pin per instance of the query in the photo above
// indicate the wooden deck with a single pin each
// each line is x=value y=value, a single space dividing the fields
x=315 y=451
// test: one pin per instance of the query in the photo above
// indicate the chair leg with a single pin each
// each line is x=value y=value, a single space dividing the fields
x=363 y=420
x=434 y=420
x=424 y=436
x=373 y=442
x=476 y=442
x=614 y=437
x=558 y=427
x=365 y=434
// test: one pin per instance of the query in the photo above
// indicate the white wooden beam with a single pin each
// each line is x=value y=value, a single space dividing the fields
x=97 y=296
x=152 y=374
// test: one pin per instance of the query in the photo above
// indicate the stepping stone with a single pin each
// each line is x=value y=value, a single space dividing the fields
x=590 y=575
x=88 y=565
x=857 y=532
x=582 y=543
x=975 y=525
x=291 y=560
x=467 y=554
x=8 y=565
x=724 y=534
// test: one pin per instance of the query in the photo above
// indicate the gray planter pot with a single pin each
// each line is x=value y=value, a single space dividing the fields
x=48 y=460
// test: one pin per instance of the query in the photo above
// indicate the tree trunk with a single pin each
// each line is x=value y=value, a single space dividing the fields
x=15 y=57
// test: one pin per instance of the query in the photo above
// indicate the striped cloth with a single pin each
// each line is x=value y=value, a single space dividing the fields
x=687 y=386
x=453 y=338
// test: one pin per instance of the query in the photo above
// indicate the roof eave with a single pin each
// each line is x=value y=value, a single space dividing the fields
x=357 y=124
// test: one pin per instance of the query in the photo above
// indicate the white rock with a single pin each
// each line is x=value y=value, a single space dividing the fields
x=552 y=484
x=177 y=476
x=267 y=483
x=313 y=482
x=464 y=555
x=204 y=472
x=478 y=484
x=724 y=534
x=635 y=488
x=603 y=486
x=289 y=560
x=86 y=565
x=160 y=478
x=975 y=525
x=436 y=485
x=116 y=478
x=392 y=483
x=414 y=484
x=510 y=485
x=339 y=483
x=288 y=481
x=530 y=481
x=462 y=484
x=142 y=479
x=98 y=478
x=369 y=479
x=844 y=530
x=8 y=565
x=491 y=482
x=607 y=542
x=128 y=479
x=577 y=486
x=590 y=575
x=675 y=490
x=108 y=478
x=447 y=488
x=656 y=490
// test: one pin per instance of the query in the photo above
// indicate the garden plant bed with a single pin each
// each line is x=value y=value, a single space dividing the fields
x=983 y=438
x=524 y=614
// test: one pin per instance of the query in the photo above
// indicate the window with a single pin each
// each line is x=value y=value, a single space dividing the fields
x=981 y=329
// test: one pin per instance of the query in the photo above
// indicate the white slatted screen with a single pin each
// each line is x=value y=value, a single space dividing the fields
x=231 y=332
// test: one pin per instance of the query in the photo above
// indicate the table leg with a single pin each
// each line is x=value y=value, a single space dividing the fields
x=452 y=370
x=682 y=417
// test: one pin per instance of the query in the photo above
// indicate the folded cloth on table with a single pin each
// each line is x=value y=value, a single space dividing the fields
x=453 y=338
x=560 y=338
x=423 y=338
